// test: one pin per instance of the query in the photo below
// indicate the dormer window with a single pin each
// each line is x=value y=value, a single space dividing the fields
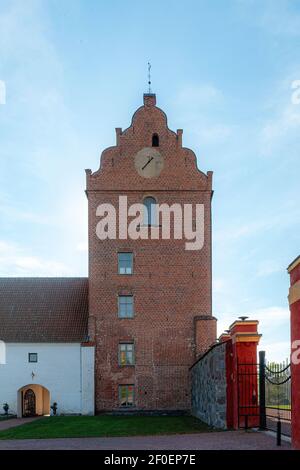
x=155 y=140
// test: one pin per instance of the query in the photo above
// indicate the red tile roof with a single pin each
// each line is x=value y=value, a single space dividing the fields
x=43 y=310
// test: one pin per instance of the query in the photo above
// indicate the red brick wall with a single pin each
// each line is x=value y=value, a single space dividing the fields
x=205 y=333
x=171 y=286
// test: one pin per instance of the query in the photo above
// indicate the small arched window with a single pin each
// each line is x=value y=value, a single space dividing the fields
x=149 y=211
x=155 y=140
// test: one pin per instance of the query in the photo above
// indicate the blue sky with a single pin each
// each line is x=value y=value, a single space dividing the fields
x=222 y=70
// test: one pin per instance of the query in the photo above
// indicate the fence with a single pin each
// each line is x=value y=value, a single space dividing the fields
x=264 y=395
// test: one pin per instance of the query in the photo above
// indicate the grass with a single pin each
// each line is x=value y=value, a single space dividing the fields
x=105 y=426
x=281 y=407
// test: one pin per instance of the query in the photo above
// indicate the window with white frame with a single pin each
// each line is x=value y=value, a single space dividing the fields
x=125 y=263
x=126 y=395
x=32 y=357
x=125 y=306
x=126 y=354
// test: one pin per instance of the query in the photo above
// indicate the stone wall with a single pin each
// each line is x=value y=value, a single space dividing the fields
x=208 y=381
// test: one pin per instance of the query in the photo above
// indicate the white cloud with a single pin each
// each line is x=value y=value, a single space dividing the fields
x=197 y=106
x=211 y=133
x=219 y=286
x=82 y=246
x=285 y=216
x=280 y=17
x=285 y=125
x=274 y=325
x=195 y=96
x=22 y=26
x=272 y=315
x=275 y=351
x=267 y=267
x=11 y=212
x=14 y=261
x=269 y=317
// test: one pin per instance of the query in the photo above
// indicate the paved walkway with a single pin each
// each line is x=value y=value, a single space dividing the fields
x=286 y=427
x=13 y=422
x=231 y=440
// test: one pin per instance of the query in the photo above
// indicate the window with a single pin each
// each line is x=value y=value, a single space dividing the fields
x=126 y=395
x=125 y=263
x=149 y=211
x=155 y=140
x=126 y=354
x=32 y=357
x=125 y=307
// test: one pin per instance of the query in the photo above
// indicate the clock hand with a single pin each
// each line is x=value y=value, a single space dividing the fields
x=147 y=163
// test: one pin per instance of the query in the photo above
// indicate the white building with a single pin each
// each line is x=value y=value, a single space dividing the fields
x=43 y=323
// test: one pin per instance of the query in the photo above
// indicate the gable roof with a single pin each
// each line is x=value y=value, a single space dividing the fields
x=43 y=310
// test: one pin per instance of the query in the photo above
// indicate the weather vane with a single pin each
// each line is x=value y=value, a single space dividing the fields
x=149 y=77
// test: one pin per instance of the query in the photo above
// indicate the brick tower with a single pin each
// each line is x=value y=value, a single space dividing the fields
x=150 y=312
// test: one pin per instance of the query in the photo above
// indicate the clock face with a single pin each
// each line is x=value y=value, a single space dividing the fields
x=149 y=162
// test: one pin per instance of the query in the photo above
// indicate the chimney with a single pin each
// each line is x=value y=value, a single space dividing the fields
x=149 y=99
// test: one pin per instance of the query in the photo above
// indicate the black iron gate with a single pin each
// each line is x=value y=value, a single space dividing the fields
x=278 y=396
x=248 y=397
x=29 y=403
x=264 y=395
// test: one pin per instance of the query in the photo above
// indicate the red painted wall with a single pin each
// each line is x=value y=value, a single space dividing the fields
x=241 y=357
x=295 y=368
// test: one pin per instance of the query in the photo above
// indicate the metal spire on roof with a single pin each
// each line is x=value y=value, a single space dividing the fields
x=149 y=78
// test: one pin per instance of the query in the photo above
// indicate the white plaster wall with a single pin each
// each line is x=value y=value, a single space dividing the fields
x=87 y=380
x=58 y=369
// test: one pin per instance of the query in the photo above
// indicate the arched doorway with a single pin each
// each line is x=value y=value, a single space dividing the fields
x=29 y=403
x=33 y=400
